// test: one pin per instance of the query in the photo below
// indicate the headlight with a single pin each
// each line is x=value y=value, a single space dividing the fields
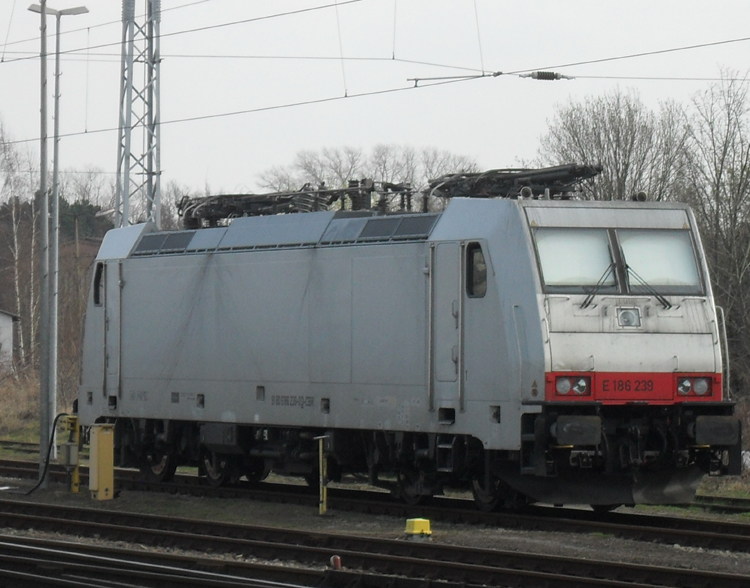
x=684 y=386
x=700 y=386
x=629 y=317
x=694 y=386
x=563 y=385
x=581 y=386
x=578 y=385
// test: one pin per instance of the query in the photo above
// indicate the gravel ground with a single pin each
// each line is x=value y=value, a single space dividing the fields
x=589 y=546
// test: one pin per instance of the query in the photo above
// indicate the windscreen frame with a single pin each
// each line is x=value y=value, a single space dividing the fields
x=625 y=283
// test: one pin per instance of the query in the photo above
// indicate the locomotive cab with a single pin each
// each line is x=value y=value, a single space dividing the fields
x=633 y=384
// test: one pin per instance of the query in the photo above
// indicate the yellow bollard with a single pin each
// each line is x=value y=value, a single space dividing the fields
x=323 y=500
x=101 y=462
x=69 y=452
x=418 y=529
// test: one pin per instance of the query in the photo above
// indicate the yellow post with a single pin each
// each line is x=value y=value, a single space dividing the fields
x=101 y=462
x=69 y=450
x=323 y=501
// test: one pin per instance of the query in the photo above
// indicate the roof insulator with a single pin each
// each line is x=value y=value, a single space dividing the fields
x=545 y=75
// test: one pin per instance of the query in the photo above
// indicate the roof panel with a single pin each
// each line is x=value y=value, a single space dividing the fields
x=344 y=230
x=118 y=243
x=380 y=229
x=206 y=239
x=276 y=231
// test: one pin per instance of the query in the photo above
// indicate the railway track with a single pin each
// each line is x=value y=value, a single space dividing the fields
x=723 y=503
x=23 y=447
x=86 y=565
x=366 y=560
x=697 y=533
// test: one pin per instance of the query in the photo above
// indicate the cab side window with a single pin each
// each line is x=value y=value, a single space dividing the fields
x=476 y=270
x=98 y=284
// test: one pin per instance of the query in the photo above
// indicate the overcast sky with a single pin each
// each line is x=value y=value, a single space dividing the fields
x=286 y=66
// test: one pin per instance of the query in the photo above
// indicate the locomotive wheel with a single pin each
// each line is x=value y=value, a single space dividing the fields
x=486 y=499
x=256 y=471
x=159 y=466
x=408 y=483
x=216 y=467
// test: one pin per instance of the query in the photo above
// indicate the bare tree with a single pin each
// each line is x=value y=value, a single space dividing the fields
x=280 y=179
x=81 y=230
x=14 y=191
x=436 y=163
x=393 y=163
x=342 y=164
x=639 y=150
x=719 y=191
x=93 y=186
x=334 y=167
x=330 y=167
x=171 y=195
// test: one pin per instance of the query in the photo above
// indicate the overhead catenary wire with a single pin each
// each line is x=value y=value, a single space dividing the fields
x=635 y=55
x=97 y=26
x=530 y=71
x=479 y=37
x=115 y=58
x=343 y=2
x=7 y=35
x=88 y=63
x=392 y=58
x=666 y=78
x=393 y=47
x=206 y=27
x=261 y=108
x=341 y=49
x=72 y=52
x=418 y=82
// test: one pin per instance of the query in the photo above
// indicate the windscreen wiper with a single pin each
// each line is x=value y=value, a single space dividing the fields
x=649 y=288
x=587 y=302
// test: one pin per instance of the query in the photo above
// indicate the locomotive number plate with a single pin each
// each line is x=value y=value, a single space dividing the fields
x=634 y=386
x=627 y=385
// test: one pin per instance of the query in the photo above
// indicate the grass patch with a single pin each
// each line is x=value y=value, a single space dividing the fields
x=28 y=432
x=728 y=486
x=19 y=407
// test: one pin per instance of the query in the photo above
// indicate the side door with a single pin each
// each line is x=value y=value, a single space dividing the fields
x=112 y=327
x=487 y=364
x=445 y=325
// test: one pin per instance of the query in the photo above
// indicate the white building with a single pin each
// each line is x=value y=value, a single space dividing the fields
x=6 y=339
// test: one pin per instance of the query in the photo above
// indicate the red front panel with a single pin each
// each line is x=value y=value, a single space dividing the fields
x=624 y=387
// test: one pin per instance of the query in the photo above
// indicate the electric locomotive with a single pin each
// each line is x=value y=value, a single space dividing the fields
x=523 y=343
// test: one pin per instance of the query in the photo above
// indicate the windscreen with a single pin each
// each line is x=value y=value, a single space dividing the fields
x=660 y=259
x=572 y=259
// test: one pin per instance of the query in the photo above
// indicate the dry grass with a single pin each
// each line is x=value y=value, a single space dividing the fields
x=19 y=405
x=729 y=486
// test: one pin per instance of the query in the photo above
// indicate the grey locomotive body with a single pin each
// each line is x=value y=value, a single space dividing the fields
x=505 y=345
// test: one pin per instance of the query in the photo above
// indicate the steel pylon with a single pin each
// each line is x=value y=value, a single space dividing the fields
x=138 y=190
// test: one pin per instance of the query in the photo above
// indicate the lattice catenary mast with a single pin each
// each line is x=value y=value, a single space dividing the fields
x=138 y=175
